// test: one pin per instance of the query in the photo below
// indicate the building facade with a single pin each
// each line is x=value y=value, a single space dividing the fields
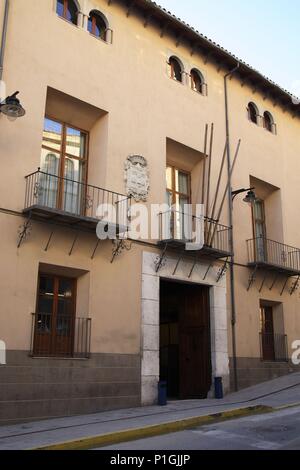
x=124 y=104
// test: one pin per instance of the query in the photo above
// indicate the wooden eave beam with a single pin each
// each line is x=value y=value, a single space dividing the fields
x=179 y=38
x=164 y=27
x=130 y=6
x=148 y=16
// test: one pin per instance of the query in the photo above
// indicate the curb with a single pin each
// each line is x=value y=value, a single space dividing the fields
x=117 y=437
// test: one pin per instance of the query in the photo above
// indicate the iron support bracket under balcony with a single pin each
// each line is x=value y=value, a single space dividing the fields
x=284 y=286
x=161 y=259
x=178 y=262
x=252 y=278
x=119 y=246
x=295 y=285
x=194 y=265
x=222 y=271
x=25 y=230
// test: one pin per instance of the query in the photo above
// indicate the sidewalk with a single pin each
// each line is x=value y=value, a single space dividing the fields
x=122 y=425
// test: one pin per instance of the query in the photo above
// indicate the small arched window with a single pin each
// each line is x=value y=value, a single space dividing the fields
x=268 y=122
x=197 y=81
x=176 y=69
x=68 y=10
x=253 y=113
x=97 y=25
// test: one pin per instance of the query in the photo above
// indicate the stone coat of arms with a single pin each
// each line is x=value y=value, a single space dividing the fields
x=137 y=177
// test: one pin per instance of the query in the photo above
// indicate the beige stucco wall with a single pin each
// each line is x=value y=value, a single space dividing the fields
x=128 y=80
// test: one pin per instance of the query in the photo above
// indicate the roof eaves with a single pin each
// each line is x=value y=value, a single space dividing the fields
x=219 y=48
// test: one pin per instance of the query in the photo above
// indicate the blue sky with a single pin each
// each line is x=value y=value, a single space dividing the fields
x=263 y=33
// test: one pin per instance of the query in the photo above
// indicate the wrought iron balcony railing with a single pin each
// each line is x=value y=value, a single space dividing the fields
x=60 y=336
x=177 y=228
x=273 y=347
x=53 y=197
x=273 y=255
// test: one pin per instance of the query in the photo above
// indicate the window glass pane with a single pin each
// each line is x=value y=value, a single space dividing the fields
x=182 y=182
x=65 y=288
x=97 y=26
x=169 y=198
x=45 y=305
x=46 y=285
x=100 y=28
x=60 y=7
x=169 y=177
x=73 y=190
x=197 y=81
x=181 y=202
x=64 y=307
x=98 y=31
x=72 y=12
x=259 y=229
x=64 y=318
x=63 y=325
x=52 y=134
x=258 y=210
x=50 y=162
x=176 y=71
x=46 y=190
x=90 y=24
x=75 y=144
x=74 y=170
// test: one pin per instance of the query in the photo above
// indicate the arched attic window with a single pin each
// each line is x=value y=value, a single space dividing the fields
x=176 y=69
x=68 y=9
x=253 y=113
x=269 y=123
x=98 y=25
x=197 y=81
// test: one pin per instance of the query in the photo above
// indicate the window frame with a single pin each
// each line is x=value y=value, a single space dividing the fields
x=262 y=221
x=54 y=314
x=64 y=155
x=65 y=10
x=200 y=76
x=171 y=61
x=93 y=18
x=172 y=190
x=272 y=126
x=255 y=108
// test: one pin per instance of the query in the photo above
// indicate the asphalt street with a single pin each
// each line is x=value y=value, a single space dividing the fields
x=271 y=431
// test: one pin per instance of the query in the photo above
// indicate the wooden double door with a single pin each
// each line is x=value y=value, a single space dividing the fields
x=55 y=316
x=185 y=347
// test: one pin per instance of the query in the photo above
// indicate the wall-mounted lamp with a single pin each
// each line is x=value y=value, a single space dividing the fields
x=12 y=107
x=249 y=198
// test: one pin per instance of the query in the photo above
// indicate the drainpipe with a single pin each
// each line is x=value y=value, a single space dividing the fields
x=3 y=40
x=231 y=241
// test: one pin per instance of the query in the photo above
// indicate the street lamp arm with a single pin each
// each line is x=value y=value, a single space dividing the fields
x=240 y=191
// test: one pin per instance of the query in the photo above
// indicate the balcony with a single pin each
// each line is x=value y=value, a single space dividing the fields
x=67 y=202
x=273 y=256
x=273 y=347
x=176 y=230
x=60 y=336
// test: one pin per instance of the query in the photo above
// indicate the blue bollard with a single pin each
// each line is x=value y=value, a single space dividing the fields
x=219 y=388
x=162 y=393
